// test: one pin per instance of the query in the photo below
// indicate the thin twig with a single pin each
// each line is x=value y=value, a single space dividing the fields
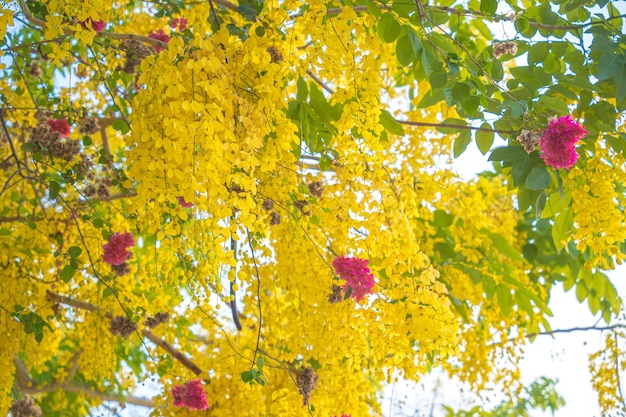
x=258 y=295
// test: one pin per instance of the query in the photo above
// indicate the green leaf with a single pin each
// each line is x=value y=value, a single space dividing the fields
x=53 y=189
x=503 y=246
x=260 y=363
x=489 y=285
x=484 y=139
x=325 y=162
x=246 y=376
x=489 y=7
x=609 y=64
x=538 y=179
x=404 y=51
x=430 y=98
x=390 y=123
x=441 y=219
x=620 y=84
x=388 y=28
x=581 y=291
x=461 y=142
x=372 y=8
x=67 y=273
x=303 y=90
x=505 y=300
x=554 y=104
x=497 y=71
x=438 y=79
x=121 y=126
x=522 y=24
x=507 y=153
x=74 y=251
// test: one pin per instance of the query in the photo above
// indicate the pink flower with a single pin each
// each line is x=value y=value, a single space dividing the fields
x=183 y=203
x=115 y=251
x=60 y=125
x=161 y=36
x=357 y=275
x=190 y=395
x=180 y=22
x=98 y=26
x=557 y=143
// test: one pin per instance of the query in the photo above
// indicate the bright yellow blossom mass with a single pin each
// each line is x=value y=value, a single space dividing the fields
x=177 y=181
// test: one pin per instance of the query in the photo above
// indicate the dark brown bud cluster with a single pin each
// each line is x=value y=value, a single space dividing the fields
x=121 y=269
x=503 y=48
x=158 y=318
x=275 y=54
x=135 y=53
x=268 y=204
x=307 y=382
x=51 y=142
x=529 y=140
x=316 y=188
x=336 y=296
x=88 y=125
x=34 y=70
x=99 y=189
x=303 y=206
x=122 y=325
x=274 y=218
x=25 y=407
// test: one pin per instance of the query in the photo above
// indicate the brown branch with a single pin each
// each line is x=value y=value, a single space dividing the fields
x=320 y=82
x=450 y=125
x=176 y=354
x=83 y=305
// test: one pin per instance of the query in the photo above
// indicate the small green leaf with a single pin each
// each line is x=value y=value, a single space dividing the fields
x=246 y=376
x=74 y=251
x=507 y=154
x=609 y=64
x=260 y=362
x=488 y=7
x=438 y=79
x=67 y=273
x=53 y=189
x=538 y=179
x=554 y=104
x=522 y=24
x=121 y=126
x=388 y=28
x=325 y=162
x=461 y=142
x=484 y=139
x=505 y=300
x=390 y=123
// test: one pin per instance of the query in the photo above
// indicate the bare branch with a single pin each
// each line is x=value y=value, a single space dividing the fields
x=83 y=305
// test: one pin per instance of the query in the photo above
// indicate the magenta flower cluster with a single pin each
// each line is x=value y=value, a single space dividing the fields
x=60 y=125
x=190 y=395
x=115 y=252
x=161 y=36
x=356 y=273
x=557 y=143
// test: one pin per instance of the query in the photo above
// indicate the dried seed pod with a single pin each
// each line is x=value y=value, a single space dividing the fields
x=316 y=188
x=529 y=140
x=274 y=218
x=307 y=382
x=268 y=204
x=122 y=325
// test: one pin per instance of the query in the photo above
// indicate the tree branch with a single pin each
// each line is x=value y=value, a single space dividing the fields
x=83 y=305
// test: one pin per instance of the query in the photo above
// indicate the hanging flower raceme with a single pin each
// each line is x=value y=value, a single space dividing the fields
x=190 y=395
x=558 y=140
x=356 y=273
x=116 y=250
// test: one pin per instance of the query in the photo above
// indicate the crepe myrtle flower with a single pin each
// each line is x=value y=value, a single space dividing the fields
x=558 y=140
